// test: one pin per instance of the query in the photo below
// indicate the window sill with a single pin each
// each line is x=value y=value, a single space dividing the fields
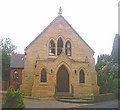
x=43 y=84
x=52 y=56
x=82 y=84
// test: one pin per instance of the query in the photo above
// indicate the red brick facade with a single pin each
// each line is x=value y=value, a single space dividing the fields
x=15 y=83
x=16 y=67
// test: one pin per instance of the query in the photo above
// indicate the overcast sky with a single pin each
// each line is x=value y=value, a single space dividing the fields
x=96 y=21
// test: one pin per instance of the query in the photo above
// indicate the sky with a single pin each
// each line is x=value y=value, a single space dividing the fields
x=96 y=21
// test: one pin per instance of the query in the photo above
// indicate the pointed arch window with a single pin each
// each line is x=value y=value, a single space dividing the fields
x=43 y=75
x=81 y=77
x=59 y=46
x=52 y=48
x=68 y=48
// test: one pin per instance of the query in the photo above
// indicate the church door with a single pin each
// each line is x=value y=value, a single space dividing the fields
x=62 y=80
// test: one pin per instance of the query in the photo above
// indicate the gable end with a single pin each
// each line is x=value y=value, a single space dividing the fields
x=50 y=25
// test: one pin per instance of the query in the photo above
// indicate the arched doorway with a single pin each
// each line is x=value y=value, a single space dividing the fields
x=62 y=80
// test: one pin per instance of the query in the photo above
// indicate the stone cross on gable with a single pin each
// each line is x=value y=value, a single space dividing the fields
x=60 y=11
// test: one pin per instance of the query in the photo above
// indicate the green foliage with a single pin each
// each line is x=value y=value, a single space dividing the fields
x=107 y=74
x=14 y=99
x=108 y=69
x=115 y=54
x=6 y=48
x=101 y=61
x=5 y=66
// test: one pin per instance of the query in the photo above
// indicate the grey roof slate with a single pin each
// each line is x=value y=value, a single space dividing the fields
x=17 y=60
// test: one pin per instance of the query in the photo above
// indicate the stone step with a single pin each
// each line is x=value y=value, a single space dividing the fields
x=66 y=97
x=87 y=98
x=74 y=100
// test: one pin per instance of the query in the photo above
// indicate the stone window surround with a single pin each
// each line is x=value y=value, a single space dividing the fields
x=82 y=81
x=44 y=80
x=64 y=43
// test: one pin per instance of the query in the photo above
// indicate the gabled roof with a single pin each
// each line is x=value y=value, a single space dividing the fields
x=59 y=16
x=17 y=60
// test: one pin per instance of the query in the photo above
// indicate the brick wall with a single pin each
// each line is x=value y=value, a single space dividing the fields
x=15 y=83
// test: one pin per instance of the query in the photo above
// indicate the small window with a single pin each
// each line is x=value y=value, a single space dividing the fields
x=68 y=48
x=59 y=46
x=52 y=48
x=43 y=75
x=81 y=77
x=16 y=76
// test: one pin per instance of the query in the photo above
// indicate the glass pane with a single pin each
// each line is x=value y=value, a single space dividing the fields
x=68 y=48
x=59 y=46
x=68 y=45
x=43 y=76
x=68 y=52
x=15 y=75
x=60 y=43
x=52 y=44
x=59 y=51
x=82 y=77
x=52 y=48
x=52 y=51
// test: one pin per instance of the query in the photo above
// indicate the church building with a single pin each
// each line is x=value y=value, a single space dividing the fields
x=59 y=63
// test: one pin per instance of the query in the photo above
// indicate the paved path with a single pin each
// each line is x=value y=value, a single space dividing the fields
x=34 y=103
x=107 y=104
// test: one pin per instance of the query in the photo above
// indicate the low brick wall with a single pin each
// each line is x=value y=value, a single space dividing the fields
x=104 y=97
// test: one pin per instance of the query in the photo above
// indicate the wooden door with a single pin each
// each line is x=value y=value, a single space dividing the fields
x=62 y=79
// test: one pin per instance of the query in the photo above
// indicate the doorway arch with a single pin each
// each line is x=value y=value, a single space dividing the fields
x=62 y=79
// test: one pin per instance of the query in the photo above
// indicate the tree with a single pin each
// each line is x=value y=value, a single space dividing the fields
x=101 y=61
x=107 y=74
x=115 y=54
x=108 y=67
x=7 y=48
x=5 y=66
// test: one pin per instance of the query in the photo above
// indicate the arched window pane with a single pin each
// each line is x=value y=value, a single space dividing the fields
x=68 y=48
x=51 y=48
x=68 y=45
x=59 y=46
x=15 y=76
x=68 y=52
x=81 y=77
x=43 y=75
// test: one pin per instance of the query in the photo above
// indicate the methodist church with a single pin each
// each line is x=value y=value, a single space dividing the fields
x=58 y=62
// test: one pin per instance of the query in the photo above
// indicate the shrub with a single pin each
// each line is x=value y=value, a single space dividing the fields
x=13 y=99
